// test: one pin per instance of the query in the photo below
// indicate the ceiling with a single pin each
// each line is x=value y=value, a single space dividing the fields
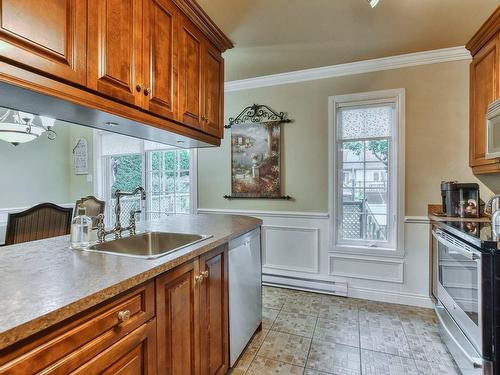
x=275 y=36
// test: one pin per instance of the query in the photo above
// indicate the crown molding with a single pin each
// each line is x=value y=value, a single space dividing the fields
x=358 y=67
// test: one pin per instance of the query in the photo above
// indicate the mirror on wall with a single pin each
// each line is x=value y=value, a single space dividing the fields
x=44 y=160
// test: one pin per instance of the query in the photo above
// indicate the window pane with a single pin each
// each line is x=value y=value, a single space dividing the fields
x=126 y=172
x=169 y=182
x=353 y=175
x=352 y=220
x=353 y=152
x=366 y=122
x=364 y=173
x=376 y=227
x=126 y=175
x=377 y=151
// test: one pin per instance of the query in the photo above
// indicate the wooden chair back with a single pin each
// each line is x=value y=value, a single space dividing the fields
x=44 y=220
x=93 y=207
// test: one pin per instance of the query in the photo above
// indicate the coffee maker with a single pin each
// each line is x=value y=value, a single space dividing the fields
x=460 y=199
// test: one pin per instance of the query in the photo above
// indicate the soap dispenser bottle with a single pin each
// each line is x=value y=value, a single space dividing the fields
x=81 y=229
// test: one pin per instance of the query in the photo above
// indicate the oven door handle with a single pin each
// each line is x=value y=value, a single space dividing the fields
x=455 y=249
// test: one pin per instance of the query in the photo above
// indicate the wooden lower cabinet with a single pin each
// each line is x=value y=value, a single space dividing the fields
x=214 y=312
x=192 y=316
x=133 y=355
x=177 y=305
x=176 y=324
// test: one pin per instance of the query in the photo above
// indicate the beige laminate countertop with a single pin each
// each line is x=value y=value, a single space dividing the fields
x=45 y=282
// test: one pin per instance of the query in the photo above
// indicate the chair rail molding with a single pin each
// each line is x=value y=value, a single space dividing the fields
x=358 y=67
x=282 y=214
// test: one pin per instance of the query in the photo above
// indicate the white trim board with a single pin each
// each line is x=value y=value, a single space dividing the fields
x=402 y=298
x=282 y=214
x=358 y=67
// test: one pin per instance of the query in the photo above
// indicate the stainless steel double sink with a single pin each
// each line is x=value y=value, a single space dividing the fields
x=148 y=245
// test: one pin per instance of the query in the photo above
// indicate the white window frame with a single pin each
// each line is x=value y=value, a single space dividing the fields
x=101 y=172
x=397 y=170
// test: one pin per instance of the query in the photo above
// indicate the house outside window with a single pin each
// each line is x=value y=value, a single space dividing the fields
x=367 y=144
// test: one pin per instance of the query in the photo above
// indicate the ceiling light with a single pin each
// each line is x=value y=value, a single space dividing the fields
x=373 y=3
x=21 y=127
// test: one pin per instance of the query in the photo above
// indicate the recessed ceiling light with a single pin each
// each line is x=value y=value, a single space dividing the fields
x=181 y=142
x=373 y=3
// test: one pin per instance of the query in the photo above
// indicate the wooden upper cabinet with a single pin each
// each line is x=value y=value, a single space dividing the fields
x=46 y=36
x=484 y=89
x=115 y=49
x=190 y=74
x=213 y=91
x=177 y=309
x=214 y=326
x=151 y=60
x=160 y=57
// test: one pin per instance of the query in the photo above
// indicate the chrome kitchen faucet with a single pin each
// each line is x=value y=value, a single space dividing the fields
x=117 y=230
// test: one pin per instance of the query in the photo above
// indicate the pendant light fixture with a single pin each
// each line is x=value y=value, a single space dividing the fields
x=21 y=127
x=373 y=3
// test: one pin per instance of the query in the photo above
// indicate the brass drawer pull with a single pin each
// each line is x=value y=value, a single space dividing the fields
x=147 y=91
x=138 y=88
x=123 y=316
x=205 y=274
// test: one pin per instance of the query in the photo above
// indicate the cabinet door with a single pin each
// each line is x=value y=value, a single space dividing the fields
x=135 y=354
x=190 y=74
x=160 y=57
x=177 y=305
x=213 y=91
x=214 y=329
x=484 y=89
x=46 y=36
x=115 y=49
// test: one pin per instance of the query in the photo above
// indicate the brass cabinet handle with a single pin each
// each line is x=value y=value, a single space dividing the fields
x=147 y=90
x=123 y=316
x=198 y=278
x=138 y=88
x=205 y=274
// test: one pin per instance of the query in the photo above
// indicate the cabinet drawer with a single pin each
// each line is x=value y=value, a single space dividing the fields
x=72 y=344
x=133 y=354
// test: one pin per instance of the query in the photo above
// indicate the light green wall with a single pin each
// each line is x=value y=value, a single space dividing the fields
x=42 y=170
x=437 y=105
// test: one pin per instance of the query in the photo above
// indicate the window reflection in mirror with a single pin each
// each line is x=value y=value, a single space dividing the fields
x=64 y=162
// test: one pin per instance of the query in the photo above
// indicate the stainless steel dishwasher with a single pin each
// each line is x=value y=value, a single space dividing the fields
x=245 y=291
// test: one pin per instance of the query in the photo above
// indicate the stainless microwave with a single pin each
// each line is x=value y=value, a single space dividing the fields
x=493 y=130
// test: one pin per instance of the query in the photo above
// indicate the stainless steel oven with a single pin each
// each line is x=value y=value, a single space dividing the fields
x=461 y=302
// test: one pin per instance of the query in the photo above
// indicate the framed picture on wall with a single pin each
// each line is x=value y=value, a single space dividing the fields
x=256 y=153
x=256 y=160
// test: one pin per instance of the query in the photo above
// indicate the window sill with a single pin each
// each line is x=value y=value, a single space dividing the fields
x=378 y=252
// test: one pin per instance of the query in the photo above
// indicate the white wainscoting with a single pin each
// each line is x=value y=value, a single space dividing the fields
x=367 y=267
x=4 y=214
x=296 y=254
x=300 y=245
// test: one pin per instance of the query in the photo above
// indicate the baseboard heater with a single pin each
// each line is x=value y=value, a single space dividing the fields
x=309 y=285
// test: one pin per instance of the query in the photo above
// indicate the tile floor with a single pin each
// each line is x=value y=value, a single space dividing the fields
x=314 y=334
